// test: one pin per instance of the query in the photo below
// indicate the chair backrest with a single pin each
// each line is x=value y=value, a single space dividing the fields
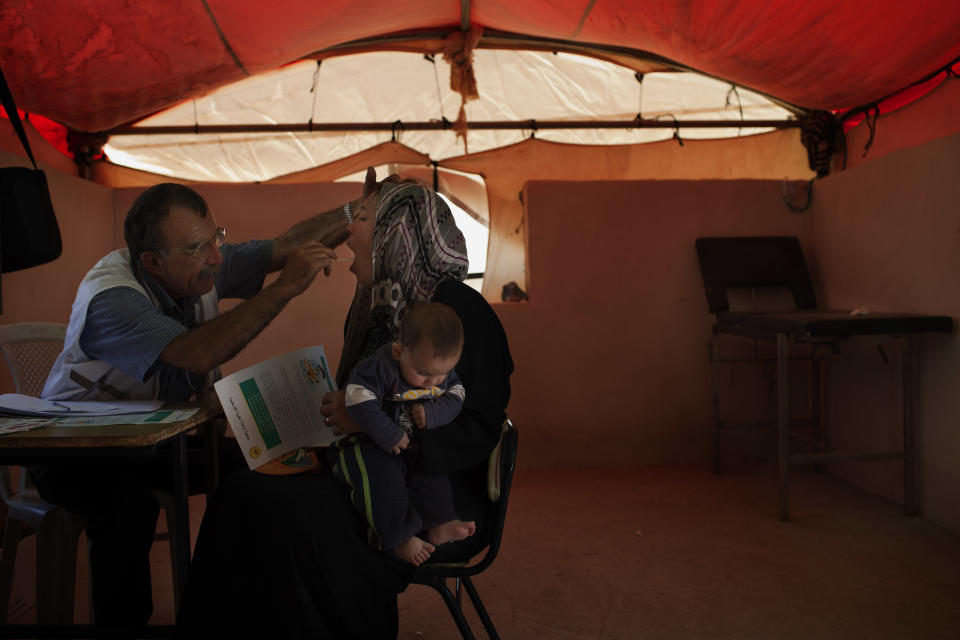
x=757 y=261
x=30 y=349
x=503 y=459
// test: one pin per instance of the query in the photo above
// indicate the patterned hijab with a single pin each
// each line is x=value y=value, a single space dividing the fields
x=416 y=246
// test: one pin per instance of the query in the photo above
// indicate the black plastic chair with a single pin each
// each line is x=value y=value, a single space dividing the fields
x=499 y=478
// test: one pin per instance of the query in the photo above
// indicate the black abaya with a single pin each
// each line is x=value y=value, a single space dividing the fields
x=287 y=557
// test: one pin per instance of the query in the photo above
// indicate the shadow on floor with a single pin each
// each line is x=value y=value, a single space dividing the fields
x=683 y=553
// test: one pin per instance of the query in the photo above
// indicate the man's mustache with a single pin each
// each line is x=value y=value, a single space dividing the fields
x=210 y=271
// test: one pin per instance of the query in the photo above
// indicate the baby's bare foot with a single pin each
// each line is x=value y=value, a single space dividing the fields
x=450 y=531
x=415 y=551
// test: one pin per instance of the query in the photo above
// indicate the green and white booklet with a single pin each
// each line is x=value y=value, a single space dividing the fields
x=273 y=407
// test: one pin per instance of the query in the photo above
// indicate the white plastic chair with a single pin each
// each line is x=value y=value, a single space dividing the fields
x=30 y=349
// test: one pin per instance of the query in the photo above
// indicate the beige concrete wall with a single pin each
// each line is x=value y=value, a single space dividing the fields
x=770 y=156
x=611 y=355
x=45 y=293
x=886 y=235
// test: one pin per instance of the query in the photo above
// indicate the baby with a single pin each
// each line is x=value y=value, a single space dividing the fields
x=404 y=387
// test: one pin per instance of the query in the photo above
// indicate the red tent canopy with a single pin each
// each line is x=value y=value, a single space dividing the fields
x=96 y=65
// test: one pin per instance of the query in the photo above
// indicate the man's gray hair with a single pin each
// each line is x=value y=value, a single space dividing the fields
x=141 y=229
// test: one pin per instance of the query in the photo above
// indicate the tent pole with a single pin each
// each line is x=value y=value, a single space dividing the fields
x=640 y=123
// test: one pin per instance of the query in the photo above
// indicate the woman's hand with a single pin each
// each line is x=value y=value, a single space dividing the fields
x=371 y=186
x=335 y=414
x=369 y=183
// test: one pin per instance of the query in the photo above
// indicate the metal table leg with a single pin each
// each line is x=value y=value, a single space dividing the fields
x=909 y=427
x=213 y=430
x=182 y=507
x=715 y=375
x=783 y=422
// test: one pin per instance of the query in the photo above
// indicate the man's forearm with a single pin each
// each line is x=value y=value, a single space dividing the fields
x=211 y=344
x=328 y=228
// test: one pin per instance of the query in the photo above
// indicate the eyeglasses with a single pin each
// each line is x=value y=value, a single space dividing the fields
x=202 y=249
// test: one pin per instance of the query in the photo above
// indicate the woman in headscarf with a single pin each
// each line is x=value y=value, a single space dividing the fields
x=286 y=555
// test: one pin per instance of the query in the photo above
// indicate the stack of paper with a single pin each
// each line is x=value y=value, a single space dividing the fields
x=20 y=413
x=15 y=404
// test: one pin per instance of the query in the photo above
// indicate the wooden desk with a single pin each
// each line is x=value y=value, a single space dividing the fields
x=132 y=439
x=828 y=328
x=55 y=444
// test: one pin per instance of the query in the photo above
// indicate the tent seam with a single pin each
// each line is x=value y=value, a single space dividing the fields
x=223 y=38
x=583 y=18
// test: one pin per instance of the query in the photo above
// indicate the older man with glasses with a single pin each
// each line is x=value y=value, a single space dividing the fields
x=145 y=325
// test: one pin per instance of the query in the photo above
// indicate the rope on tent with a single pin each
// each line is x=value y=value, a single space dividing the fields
x=397 y=126
x=947 y=70
x=432 y=59
x=872 y=125
x=676 y=126
x=313 y=90
x=734 y=91
x=873 y=108
x=639 y=78
x=842 y=143
x=533 y=128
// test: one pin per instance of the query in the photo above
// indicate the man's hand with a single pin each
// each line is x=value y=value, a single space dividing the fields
x=419 y=415
x=214 y=342
x=335 y=413
x=302 y=266
x=401 y=445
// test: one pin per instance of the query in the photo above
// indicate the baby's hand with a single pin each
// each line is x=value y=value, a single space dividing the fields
x=419 y=415
x=401 y=445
